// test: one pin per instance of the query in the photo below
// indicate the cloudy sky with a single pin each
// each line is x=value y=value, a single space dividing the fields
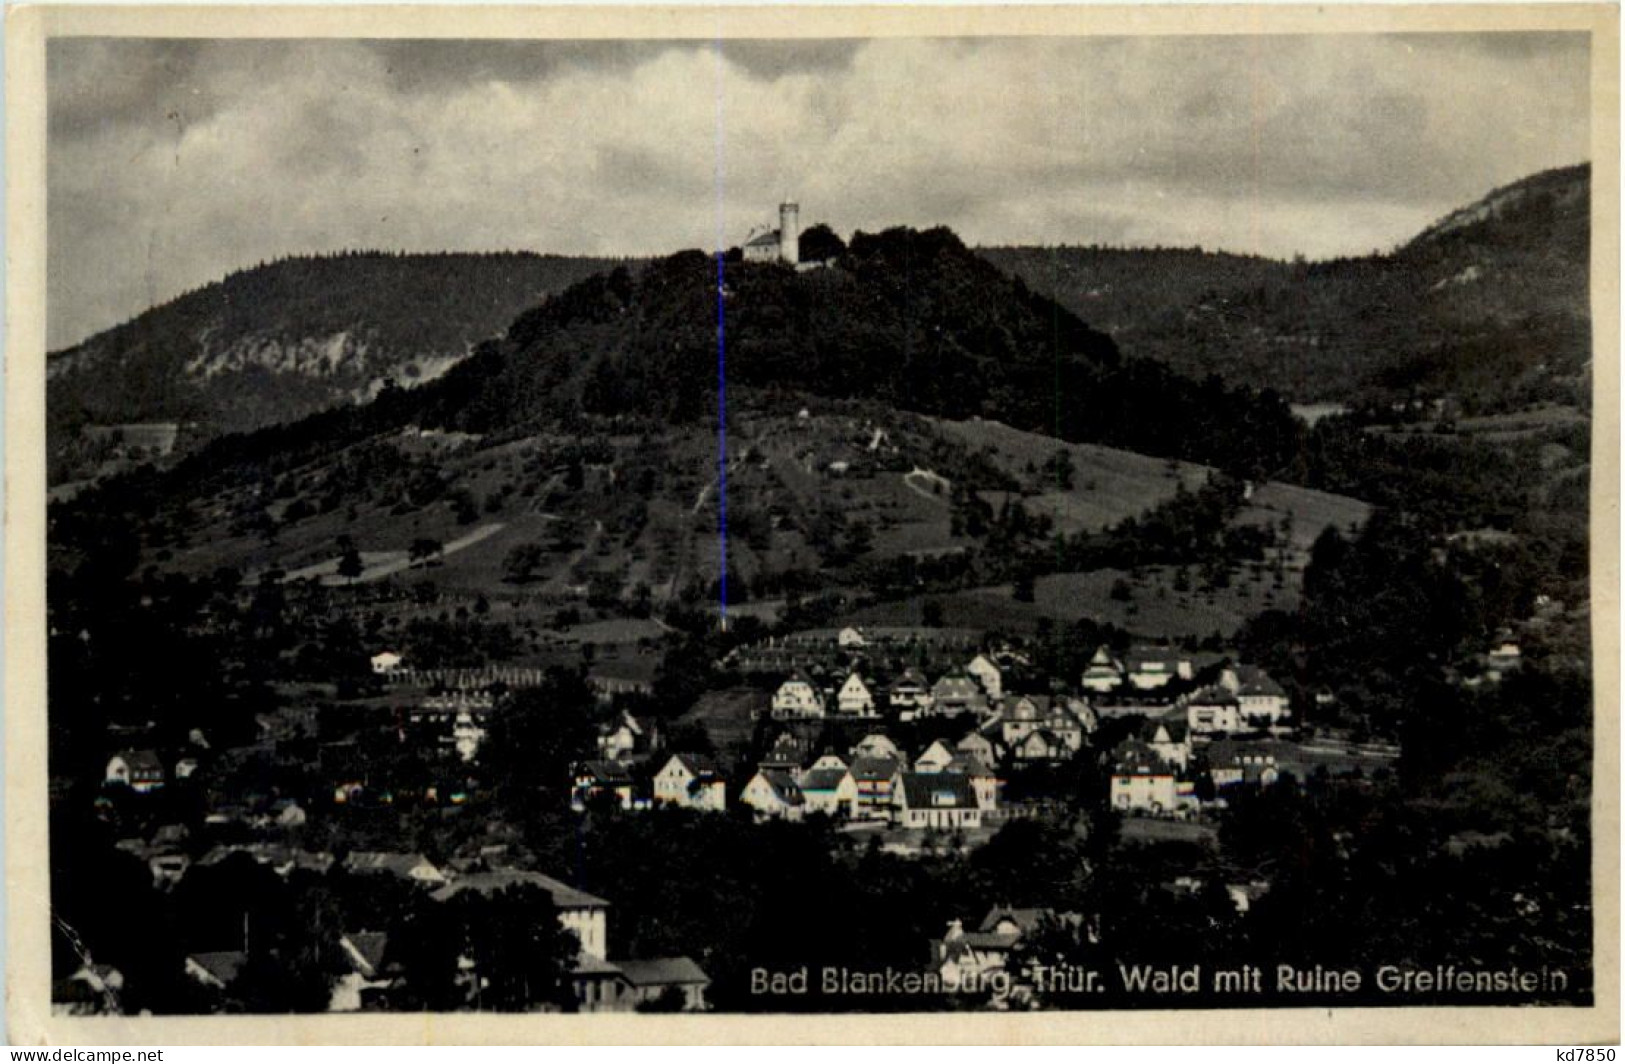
x=174 y=162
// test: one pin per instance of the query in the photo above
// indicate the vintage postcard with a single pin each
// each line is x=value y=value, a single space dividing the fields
x=812 y=524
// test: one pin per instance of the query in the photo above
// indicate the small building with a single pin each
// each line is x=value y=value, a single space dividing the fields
x=830 y=791
x=139 y=770
x=774 y=793
x=798 y=698
x=986 y=672
x=1150 y=668
x=1233 y=762
x=850 y=638
x=936 y=800
x=1213 y=709
x=386 y=663
x=874 y=780
x=936 y=758
x=363 y=952
x=218 y=970
x=1104 y=673
x=597 y=781
x=1262 y=701
x=957 y=692
x=621 y=738
x=1169 y=738
x=647 y=982
x=1142 y=782
x=691 y=781
x=910 y=693
x=979 y=745
x=854 y=698
x=876 y=744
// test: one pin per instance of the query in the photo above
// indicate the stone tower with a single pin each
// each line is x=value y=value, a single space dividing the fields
x=789 y=233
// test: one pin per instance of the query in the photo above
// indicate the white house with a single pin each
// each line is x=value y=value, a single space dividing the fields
x=773 y=793
x=1213 y=709
x=798 y=697
x=1169 y=738
x=386 y=663
x=692 y=782
x=936 y=800
x=1262 y=700
x=139 y=770
x=620 y=738
x=854 y=698
x=980 y=746
x=877 y=745
x=988 y=674
x=936 y=758
x=850 y=637
x=1145 y=783
x=1104 y=673
x=828 y=790
x=1149 y=668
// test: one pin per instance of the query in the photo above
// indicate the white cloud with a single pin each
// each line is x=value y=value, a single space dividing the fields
x=172 y=164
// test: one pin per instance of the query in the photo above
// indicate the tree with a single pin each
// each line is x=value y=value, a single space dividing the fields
x=522 y=955
x=350 y=564
x=520 y=566
x=423 y=549
x=820 y=243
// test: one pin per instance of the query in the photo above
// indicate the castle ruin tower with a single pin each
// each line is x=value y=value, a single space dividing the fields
x=789 y=233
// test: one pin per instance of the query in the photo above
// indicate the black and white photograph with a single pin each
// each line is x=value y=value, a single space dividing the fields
x=864 y=523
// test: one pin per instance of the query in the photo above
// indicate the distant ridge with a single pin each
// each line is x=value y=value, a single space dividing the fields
x=284 y=339
x=1488 y=308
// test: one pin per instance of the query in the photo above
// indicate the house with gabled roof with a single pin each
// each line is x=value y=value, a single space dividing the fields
x=787 y=753
x=139 y=770
x=936 y=757
x=1104 y=673
x=1149 y=668
x=984 y=781
x=1232 y=762
x=218 y=970
x=910 y=693
x=647 y=981
x=980 y=745
x=1169 y=737
x=798 y=698
x=600 y=780
x=957 y=692
x=987 y=673
x=1213 y=709
x=692 y=781
x=363 y=954
x=936 y=800
x=874 y=780
x=1263 y=702
x=774 y=793
x=621 y=738
x=854 y=698
x=832 y=791
x=877 y=744
x=1143 y=782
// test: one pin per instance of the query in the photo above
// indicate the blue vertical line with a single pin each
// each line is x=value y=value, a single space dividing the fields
x=722 y=442
x=722 y=359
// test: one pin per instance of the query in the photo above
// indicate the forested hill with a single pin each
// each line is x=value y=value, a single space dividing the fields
x=281 y=340
x=911 y=319
x=1487 y=309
